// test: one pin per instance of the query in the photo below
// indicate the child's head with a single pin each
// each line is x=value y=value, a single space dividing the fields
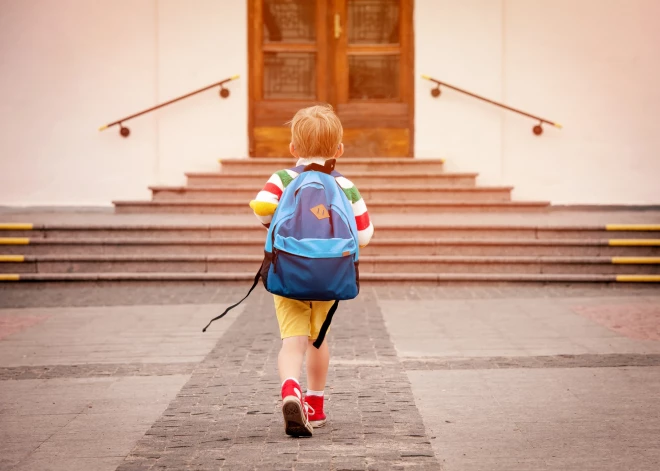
x=316 y=132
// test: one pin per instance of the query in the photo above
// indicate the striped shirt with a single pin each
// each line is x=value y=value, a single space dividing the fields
x=267 y=199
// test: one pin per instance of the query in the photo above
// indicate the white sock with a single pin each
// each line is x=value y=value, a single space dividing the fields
x=294 y=379
x=314 y=393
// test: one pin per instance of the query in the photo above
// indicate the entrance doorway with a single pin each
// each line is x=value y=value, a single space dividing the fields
x=356 y=55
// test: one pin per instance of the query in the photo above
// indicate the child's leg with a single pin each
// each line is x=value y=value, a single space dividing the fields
x=293 y=317
x=318 y=361
x=291 y=356
x=294 y=409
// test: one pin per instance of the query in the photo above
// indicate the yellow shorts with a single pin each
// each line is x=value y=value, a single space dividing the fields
x=300 y=318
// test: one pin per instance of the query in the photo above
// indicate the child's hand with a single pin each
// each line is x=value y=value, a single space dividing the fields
x=262 y=208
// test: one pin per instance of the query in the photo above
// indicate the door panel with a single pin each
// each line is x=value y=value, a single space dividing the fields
x=271 y=140
x=372 y=65
x=390 y=115
x=353 y=54
x=373 y=21
x=288 y=55
x=376 y=142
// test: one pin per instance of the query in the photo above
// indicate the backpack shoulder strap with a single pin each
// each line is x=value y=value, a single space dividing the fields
x=327 y=168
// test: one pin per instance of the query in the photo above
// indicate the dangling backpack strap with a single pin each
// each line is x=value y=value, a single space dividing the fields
x=254 y=285
x=326 y=325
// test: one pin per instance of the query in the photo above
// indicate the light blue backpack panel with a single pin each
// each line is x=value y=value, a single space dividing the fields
x=312 y=249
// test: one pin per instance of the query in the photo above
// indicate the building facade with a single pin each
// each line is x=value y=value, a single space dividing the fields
x=69 y=66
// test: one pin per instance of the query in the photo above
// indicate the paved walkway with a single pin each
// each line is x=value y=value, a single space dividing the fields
x=455 y=378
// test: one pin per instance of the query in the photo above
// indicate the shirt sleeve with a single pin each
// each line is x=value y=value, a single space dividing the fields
x=363 y=222
x=266 y=201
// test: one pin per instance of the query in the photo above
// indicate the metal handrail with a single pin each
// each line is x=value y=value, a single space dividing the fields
x=538 y=129
x=125 y=132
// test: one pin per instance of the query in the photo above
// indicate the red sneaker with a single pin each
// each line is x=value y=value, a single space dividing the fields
x=317 y=417
x=294 y=410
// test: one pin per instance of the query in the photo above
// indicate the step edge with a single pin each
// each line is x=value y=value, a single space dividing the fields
x=254 y=226
x=372 y=203
x=346 y=161
x=363 y=188
x=476 y=260
x=406 y=277
x=352 y=175
x=382 y=242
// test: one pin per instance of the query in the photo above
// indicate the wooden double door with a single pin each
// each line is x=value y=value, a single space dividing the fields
x=356 y=55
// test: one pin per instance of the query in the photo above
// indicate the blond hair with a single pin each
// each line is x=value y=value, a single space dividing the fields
x=316 y=132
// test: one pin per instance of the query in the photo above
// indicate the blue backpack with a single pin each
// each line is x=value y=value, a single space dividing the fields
x=312 y=249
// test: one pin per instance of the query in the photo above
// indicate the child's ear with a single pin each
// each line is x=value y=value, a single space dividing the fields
x=340 y=150
x=292 y=149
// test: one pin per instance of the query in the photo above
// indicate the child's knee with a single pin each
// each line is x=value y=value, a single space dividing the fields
x=298 y=343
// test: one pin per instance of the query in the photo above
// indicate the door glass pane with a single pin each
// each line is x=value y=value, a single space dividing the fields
x=373 y=21
x=289 y=21
x=373 y=77
x=289 y=75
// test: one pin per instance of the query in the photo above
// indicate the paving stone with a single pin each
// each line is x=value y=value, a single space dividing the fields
x=68 y=464
x=610 y=360
x=110 y=340
x=515 y=327
x=600 y=418
x=92 y=370
x=58 y=294
x=477 y=349
x=245 y=421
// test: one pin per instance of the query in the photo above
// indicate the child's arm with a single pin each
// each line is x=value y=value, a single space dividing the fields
x=364 y=226
x=266 y=201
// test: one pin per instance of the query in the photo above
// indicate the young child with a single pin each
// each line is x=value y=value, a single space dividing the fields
x=316 y=135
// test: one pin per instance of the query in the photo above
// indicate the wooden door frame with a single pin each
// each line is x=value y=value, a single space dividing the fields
x=326 y=89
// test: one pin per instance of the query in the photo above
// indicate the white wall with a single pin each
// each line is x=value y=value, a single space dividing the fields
x=70 y=66
x=199 y=43
x=592 y=65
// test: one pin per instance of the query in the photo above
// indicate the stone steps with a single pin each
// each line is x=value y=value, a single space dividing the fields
x=397 y=278
x=375 y=206
x=361 y=179
x=419 y=253
x=53 y=264
x=212 y=194
x=388 y=185
x=394 y=246
x=253 y=230
x=348 y=165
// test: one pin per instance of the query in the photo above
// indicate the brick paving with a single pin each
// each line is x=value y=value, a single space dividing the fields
x=227 y=415
x=611 y=360
x=414 y=383
x=95 y=370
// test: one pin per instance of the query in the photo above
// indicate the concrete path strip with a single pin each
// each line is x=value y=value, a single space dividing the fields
x=80 y=386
